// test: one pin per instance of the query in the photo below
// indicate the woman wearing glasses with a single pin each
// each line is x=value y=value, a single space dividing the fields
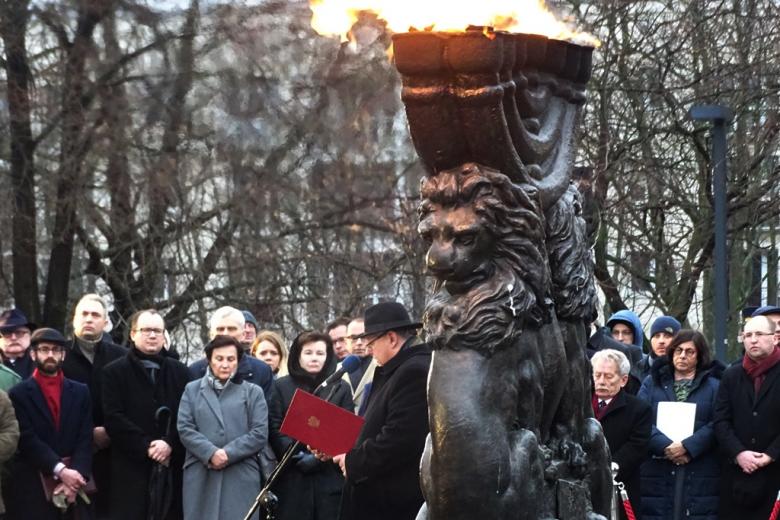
x=680 y=479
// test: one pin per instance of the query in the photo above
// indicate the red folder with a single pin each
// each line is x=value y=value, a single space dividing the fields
x=320 y=424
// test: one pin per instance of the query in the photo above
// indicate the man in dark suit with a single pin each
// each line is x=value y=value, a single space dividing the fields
x=747 y=425
x=135 y=388
x=90 y=351
x=627 y=421
x=55 y=424
x=383 y=469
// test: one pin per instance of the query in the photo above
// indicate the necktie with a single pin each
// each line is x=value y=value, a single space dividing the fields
x=602 y=404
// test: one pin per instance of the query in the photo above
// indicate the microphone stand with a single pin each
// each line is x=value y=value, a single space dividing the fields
x=262 y=496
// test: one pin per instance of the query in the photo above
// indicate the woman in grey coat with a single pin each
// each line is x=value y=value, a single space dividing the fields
x=223 y=424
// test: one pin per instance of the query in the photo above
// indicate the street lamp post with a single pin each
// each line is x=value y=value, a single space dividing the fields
x=719 y=116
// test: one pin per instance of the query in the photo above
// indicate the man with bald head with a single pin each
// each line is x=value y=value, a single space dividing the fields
x=747 y=425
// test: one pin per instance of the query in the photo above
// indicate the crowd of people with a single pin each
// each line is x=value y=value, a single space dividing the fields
x=93 y=430
x=715 y=459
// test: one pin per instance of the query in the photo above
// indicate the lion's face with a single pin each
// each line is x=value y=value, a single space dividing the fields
x=460 y=249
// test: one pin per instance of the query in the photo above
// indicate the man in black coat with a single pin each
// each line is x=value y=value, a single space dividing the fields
x=90 y=351
x=627 y=420
x=55 y=424
x=747 y=426
x=135 y=388
x=15 y=330
x=383 y=469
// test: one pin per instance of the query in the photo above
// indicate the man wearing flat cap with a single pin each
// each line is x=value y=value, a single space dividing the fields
x=15 y=330
x=55 y=424
x=382 y=470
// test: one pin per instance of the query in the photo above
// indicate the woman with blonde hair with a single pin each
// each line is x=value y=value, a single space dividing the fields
x=269 y=347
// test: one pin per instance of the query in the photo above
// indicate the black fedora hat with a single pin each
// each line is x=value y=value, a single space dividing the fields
x=386 y=316
x=13 y=319
x=47 y=335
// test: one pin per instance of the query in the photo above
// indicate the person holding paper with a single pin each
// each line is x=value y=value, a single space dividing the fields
x=626 y=419
x=310 y=489
x=383 y=469
x=747 y=425
x=680 y=479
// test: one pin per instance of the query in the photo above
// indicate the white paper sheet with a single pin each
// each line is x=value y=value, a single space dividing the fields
x=676 y=420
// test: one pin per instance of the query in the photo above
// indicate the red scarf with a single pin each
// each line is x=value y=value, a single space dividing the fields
x=51 y=387
x=756 y=370
x=594 y=402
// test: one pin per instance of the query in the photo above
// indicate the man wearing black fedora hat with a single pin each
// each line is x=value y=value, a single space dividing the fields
x=15 y=330
x=382 y=470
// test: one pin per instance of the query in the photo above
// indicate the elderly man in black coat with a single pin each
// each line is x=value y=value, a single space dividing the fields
x=747 y=426
x=135 y=388
x=382 y=470
x=627 y=420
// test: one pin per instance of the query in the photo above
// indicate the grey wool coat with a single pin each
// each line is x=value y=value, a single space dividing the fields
x=236 y=420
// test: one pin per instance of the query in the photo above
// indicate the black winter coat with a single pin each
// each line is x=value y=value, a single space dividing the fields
x=383 y=469
x=23 y=366
x=672 y=492
x=42 y=446
x=746 y=422
x=627 y=422
x=78 y=368
x=130 y=401
x=313 y=492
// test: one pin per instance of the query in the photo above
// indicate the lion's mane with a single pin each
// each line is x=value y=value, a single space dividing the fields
x=482 y=318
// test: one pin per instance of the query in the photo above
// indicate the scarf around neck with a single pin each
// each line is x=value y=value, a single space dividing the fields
x=756 y=370
x=51 y=388
x=215 y=383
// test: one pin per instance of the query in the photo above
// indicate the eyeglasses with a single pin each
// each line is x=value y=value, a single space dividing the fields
x=50 y=350
x=16 y=333
x=149 y=331
x=689 y=352
x=758 y=335
x=368 y=344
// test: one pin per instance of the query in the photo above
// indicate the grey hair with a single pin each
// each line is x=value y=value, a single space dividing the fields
x=92 y=297
x=226 y=312
x=617 y=357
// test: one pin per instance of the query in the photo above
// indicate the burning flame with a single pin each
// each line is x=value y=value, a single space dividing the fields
x=336 y=17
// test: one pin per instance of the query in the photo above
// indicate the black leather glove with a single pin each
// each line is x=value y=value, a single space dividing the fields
x=306 y=462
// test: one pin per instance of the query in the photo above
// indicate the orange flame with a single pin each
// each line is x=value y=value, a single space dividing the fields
x=336 y=17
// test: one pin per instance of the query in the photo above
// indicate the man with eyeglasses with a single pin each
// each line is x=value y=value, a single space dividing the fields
x=141 y=394
x=90 y=351
x=361 y=379
x=387 y=454
x=15 y=330
x=55 y=422
x=747 y=425
x=773 y=313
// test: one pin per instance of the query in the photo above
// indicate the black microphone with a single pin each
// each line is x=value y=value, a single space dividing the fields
x=349 y=365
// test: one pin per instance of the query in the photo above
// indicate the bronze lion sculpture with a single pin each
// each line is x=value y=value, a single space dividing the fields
x=498 y=414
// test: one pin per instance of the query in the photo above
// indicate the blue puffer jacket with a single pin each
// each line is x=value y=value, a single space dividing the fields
x=690 y=491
